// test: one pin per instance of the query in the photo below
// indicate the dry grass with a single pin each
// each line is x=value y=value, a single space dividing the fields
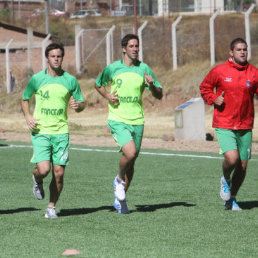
x=179 y=86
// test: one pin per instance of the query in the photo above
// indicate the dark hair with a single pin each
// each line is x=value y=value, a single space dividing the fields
x=128 y=37
x=236 y=41
x=54 y=45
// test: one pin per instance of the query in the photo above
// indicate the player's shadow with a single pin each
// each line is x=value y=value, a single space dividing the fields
x=3 y=145
x=139 y=208
x=154 y=207
x=81 y=211
x=12 y=211
x=248 y=205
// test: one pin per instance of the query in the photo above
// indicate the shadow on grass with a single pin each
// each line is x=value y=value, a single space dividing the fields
x=80 y=211
x=3 y=145
x=18 y=210
x=154 y=207
x=248 y=205
x=139 y=208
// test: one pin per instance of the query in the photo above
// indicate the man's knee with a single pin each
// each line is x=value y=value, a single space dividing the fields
x=232 y=157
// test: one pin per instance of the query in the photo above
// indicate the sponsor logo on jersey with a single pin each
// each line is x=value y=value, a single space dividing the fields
x=52 y=111
x=248 y=84
x=228 y=79
x=128 y=99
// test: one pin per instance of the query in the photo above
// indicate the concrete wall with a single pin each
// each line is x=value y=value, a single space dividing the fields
x=190 y=120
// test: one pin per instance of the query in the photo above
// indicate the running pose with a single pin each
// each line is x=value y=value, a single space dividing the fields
x=53 y=89
x=236 y=83
x=128 y=78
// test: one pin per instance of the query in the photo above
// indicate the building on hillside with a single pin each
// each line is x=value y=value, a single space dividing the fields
x=144 y=7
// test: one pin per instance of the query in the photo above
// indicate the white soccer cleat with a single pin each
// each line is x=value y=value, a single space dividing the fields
x=121 y=206
x=51 y=213
x=119 y=190
x=38 y=189
x=225 y=193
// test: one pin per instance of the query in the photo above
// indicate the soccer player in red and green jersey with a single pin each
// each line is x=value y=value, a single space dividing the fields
x=128 y=78
x=53 y=89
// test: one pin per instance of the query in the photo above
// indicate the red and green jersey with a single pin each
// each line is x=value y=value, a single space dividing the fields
x=52 y=95
x=129 y=83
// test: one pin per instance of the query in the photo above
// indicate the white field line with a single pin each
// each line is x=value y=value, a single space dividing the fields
x=142 y=152
x=115 y=151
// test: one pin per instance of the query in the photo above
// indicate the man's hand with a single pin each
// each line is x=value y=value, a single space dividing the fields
x=148 y=79
x=77 y=106
x=219 y=101
x=74 y=103
x=31 y=122
x=113 y=98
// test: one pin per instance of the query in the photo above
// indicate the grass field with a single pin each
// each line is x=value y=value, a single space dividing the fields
x=174 y=200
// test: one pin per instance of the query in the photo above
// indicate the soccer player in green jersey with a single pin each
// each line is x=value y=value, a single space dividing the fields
x=53 y=89
x=128 y=78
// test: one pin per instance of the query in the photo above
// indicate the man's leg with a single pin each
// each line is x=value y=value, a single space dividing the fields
x=55 y=189
x=238 y=176
x=56 y=184
x=231 y=158
x=40 y=171
x=122 y=181
x=126 y=164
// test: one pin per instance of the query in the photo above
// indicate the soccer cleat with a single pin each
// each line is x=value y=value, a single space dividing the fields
x=121 y=206
x=38 y=189
x=231 y=204
x=119 y=190
x=51 y=213
x=225 y=193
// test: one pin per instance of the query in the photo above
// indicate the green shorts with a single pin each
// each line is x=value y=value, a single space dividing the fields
x=53 y=148
x=240 y=140
x=123 y=133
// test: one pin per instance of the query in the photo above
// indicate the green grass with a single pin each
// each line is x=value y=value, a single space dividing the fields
x=174 y=201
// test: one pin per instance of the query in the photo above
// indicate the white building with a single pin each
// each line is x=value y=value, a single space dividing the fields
x=199 y=6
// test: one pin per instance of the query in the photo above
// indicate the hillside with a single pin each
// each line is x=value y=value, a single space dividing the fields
x=179 y=86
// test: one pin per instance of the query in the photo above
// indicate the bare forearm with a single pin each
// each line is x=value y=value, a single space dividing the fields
x=25 y=107
x=156 y=92
x=102 y=91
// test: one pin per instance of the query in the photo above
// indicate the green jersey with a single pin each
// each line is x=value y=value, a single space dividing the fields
x=52 y=95
x=129 y=83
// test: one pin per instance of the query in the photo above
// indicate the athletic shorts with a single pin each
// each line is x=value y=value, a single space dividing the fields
x=240 y=140
x=53 y=148
x=124 y=133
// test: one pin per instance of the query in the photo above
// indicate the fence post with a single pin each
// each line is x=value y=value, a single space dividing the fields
x=247 y=30
x=7 y=60
x=174 y=45
x=109 y=48
x=29 y=42
x=43 y=48
x=78 y=51
x=212 y=41
x=140 y=40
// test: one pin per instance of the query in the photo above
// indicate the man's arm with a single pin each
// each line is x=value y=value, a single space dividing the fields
x=156 y=91
x=207 y=89
x=111 y=97
x=30 y=120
